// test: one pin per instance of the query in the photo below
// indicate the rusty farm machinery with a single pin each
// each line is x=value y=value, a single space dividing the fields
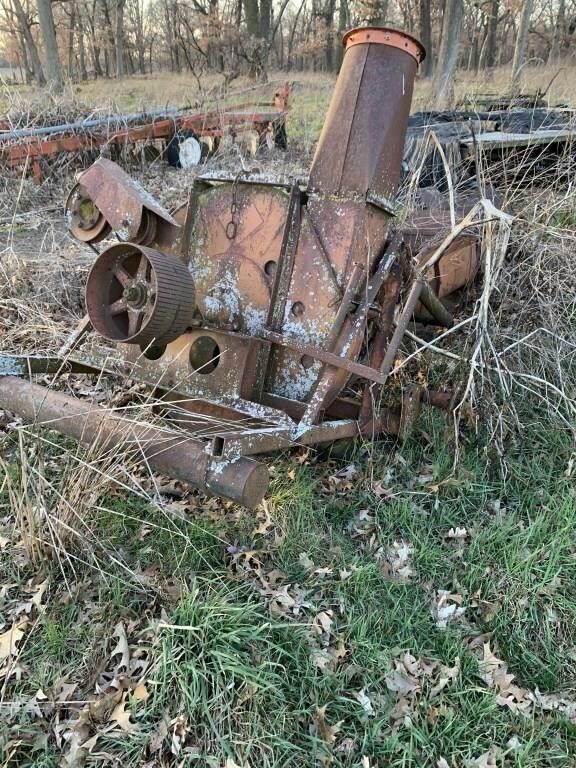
x=183 y=137
x=270 y=309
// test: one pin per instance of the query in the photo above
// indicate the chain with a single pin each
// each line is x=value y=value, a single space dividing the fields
x=232 y=226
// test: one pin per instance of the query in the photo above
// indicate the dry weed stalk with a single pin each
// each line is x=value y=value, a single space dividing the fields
x=517 y=347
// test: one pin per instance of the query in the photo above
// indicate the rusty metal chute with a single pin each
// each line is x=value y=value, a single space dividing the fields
x=272 y=308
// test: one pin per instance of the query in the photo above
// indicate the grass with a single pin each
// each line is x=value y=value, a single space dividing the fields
x=234 y=672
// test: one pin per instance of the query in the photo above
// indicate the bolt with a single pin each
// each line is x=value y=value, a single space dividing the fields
x=131 y=293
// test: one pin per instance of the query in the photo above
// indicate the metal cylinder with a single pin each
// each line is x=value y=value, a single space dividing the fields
x=244 y=480
x=362 y=141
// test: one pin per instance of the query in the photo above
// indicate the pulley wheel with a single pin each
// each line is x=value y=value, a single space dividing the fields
x=85 y=221
x=137 y=295
x=147 y=229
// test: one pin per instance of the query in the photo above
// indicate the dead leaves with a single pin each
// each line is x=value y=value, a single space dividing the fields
x=10 y=639
x=396 y=561
x=494 y=673
x=410 y=678
x=447 y=608
x=326 y=733
x=120 y=691
x=343 y=481
x=18 y=611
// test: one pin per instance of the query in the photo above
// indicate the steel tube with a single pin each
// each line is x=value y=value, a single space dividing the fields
x=362 y=142
x=244 y=481
x=112 y=121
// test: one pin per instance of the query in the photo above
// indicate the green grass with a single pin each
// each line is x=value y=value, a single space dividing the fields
x=243 y=680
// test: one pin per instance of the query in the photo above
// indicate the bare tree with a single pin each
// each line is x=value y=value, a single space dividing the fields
x=52 y=57
x=442 y=93
x=29 y=43
x=119 y=37
x=426 y=37
x=520 y=47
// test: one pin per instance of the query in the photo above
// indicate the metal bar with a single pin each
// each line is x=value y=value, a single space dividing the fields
x=350 y=292
x=389 y=297
x=245 y=481
x=249 y=442
x=364 y=371
x=286 y=261
x=401 y=325
x=82 y=125
x=356 y=328
x=25 y=365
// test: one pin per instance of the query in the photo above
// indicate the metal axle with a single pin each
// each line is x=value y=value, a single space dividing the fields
x=243 y=480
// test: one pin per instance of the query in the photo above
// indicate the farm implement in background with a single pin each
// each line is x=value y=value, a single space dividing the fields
x=265 y=313
x=183 y=138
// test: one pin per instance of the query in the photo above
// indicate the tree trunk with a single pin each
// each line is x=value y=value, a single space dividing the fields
x=426 y=38
x=328 y=19
x=520 y=47
x=293 y=32
x=26 y=72
x=252 y=16
x=109 y=51
x=265 y=19
x=559 y=33
x=71 y=42
x=119 y=37
x=30 y=43
x=81 y=54
x=48 y=30
x=492 y=30
x=443 y=83
x=140 y=44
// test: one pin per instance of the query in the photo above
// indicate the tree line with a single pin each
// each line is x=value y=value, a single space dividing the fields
x=49 y=40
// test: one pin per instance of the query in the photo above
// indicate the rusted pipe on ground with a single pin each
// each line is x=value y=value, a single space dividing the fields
x=244 y=481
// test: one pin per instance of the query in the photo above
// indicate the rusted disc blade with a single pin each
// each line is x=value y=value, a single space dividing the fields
x=137 y=295
x=85 y=221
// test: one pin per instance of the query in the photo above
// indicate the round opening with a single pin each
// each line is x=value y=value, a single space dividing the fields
x=297 y=308
x=270 y=268
x=306 y=361
x=153 y=353
x=204 y=355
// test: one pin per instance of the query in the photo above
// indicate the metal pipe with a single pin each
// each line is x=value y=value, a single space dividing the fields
x=362 y=142
x=82 y=125
x=244 y=480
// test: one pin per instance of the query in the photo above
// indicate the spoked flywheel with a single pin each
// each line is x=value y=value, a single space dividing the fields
x=137 y=295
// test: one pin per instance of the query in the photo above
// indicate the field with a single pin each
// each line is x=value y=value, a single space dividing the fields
x=398 y=603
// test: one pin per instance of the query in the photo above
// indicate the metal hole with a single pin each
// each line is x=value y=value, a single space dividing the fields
x=153 y=353
x=204 y=355
x=306 y=361
x=270 y=268
x=298 y=308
